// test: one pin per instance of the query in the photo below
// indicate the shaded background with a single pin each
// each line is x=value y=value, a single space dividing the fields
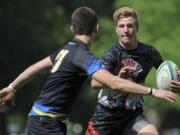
x=32 y=29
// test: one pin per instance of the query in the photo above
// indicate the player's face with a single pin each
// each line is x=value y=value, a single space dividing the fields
x=126 y=30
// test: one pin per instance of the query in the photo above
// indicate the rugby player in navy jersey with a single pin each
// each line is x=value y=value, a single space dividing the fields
x=68 y=68
x=121 y=113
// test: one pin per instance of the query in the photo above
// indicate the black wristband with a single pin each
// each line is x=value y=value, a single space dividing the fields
x=150 y=91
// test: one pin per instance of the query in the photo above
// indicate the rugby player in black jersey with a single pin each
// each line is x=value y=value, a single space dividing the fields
x=68 y=68
x=121 y=113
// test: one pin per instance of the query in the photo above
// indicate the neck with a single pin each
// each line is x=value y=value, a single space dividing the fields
x=129 y=46
x=84 y=38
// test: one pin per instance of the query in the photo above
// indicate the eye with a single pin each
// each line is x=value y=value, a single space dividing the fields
x=121 y=26
x=130 y=25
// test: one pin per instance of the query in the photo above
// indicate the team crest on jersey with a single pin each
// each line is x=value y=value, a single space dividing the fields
x=137 y=68
x=132 y=63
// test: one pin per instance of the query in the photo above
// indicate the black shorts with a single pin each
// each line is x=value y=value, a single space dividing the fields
x=38 y=125
x=116 y=122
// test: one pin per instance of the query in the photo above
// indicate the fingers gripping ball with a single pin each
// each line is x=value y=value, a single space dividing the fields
x=166 y=72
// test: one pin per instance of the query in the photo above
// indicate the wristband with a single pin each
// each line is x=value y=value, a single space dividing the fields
x=151 y=91
x=12 y=89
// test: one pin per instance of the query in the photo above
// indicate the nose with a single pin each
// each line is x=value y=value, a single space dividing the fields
x=125 y=29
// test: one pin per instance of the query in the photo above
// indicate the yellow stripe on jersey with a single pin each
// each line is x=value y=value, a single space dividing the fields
x=40 y=113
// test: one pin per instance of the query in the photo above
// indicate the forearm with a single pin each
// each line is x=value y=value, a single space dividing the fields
x=119 y=84
x=24 y=77
x=127 y=86
x=31 y=72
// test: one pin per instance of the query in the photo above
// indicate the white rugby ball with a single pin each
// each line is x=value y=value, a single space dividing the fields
x=166 y=72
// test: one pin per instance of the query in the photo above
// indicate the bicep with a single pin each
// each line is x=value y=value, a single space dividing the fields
x=103 y=77
x=43 y=65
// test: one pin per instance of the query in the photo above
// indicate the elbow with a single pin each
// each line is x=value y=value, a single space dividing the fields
x=94 y=85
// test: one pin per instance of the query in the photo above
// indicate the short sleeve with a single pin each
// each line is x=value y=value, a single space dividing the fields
x=108 y=59
x=87 y=61
x=156 y=57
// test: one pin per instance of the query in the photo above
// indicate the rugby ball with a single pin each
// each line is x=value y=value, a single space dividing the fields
x=166 y=72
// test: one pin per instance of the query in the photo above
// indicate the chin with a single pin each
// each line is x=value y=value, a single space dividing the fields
x=125 y=42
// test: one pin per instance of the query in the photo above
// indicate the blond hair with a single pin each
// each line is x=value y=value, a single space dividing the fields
x=125 y=12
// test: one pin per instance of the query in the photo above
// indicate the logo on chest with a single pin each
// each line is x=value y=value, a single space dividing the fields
x=132 y=63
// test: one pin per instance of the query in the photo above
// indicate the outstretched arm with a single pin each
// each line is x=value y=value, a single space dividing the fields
x=7 y=93
x=123 y=85
x=123 y=73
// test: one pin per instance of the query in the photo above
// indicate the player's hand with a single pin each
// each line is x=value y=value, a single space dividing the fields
x=175 y=86
x=125 y=72
x=6 y=97
x=166 y=95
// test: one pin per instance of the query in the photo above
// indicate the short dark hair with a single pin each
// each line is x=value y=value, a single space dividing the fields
x=84 y=20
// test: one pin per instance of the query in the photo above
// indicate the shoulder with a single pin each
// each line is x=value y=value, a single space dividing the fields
x=152 y=53
x=113 y=49
x=110 y=56
x=147 y=47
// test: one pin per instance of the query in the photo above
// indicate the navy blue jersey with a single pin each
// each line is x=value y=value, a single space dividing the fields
x=71 y=67
x=141 y=59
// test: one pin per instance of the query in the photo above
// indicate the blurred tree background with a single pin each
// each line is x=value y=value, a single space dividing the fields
x=32 y=29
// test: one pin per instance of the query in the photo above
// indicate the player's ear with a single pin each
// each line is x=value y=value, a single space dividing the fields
x=72 y=29
x=116 y=30
x=97 y=28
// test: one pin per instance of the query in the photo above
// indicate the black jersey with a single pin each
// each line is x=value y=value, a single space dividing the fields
x=141 y=59
x=71 y=66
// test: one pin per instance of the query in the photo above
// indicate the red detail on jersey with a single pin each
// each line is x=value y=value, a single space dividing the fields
x=132 y=63
x=90 y=130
